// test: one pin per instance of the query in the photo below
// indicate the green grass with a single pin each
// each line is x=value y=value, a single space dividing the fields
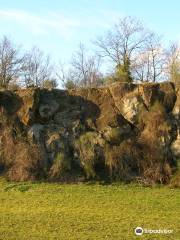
x=86 y=211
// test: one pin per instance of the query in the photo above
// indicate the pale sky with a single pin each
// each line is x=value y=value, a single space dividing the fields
x=57 y=26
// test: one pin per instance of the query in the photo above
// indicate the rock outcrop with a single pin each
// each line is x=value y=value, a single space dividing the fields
x=123 y=131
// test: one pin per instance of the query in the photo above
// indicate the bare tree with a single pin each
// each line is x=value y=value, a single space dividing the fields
x=83 y=70
x=65 y=75
x=10 y=62
x=149 y=63
x=120 y=44
x=36 y=68
x=142 y=67
x=173 y=63
x=156 y=57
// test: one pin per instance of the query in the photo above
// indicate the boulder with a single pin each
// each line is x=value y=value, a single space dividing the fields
x=131 y=108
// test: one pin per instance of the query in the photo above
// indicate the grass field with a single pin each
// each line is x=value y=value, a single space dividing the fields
x=86 y=211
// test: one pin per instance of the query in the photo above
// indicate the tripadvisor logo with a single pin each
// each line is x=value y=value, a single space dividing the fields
x=138 y=231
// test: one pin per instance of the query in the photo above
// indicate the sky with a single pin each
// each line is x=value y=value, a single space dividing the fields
x=57 y=26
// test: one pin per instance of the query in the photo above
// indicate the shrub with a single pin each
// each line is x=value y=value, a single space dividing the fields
x=19 y=159
x=136 y=159
x=156 y=161
x=116 y=135
x=60 y=166
x=123 y=160
x=13 y=87
x=89 y=150
x=49 y=84
x=70 y=85
x=26 y=164
x=175 y=180
x=155 y=140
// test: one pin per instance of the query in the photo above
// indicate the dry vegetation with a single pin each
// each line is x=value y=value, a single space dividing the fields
x=21 y=160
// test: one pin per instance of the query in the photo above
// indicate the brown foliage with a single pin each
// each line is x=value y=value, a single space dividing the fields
x=20 y=160
x=26 y=164
x=123 y=160
x=175 y=180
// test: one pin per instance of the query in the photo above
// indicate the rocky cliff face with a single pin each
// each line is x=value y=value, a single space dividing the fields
x=123 y=131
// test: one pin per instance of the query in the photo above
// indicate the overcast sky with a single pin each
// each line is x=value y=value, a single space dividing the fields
x=57 y=26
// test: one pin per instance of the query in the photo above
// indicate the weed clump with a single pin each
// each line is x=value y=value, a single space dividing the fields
x=89 y=148
x=60 y=166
